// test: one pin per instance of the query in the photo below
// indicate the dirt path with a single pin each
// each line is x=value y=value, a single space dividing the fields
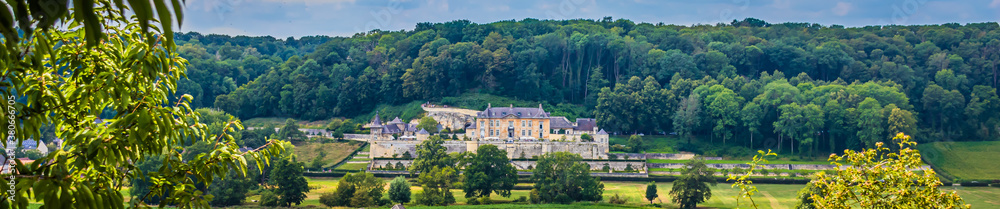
x=451 y=109
x=774 y=202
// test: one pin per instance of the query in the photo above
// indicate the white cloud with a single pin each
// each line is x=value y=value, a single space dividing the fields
x=842 y=8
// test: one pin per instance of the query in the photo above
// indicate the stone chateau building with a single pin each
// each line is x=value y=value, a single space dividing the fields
x=523 y=132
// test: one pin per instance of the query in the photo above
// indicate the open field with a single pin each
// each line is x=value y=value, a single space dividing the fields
x=964 y=160
x=654 y=143
x=279 y=122
x=335 y=152
x=743 y=162
x=352 y=166
x=770 y=196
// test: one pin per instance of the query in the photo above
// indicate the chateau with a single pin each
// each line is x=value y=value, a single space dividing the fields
x=522 y=123
x=524 y=132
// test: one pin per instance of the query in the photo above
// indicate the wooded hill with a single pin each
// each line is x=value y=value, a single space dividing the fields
x=806 y=82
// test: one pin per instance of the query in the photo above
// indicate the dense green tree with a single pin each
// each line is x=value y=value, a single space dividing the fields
x=436 y=186
x=693 y=185
x=636 y=144
x=399 y=190
x=751 y=116
x=688 y=116
x=723 y=105
x=290 y=186
x=431 y=153
x=651 y=192
x=562 y=177
x=291 y=131
x=870 y=122
x=428 y=123
x=489 y=171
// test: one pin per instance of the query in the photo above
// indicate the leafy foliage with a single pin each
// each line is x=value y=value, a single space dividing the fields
x=651 y=192
x=561 y=177
x=489 y=171
x=692 y=187
x=287 y=177
x=102 y=64
x=399 y=190
x=880 y=177
x=356 y=190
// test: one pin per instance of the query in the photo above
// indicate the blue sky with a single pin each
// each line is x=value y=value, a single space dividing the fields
x=284 y=18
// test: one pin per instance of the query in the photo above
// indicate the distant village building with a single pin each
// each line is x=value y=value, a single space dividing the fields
x=525 y=123
x=396 y=127
x=521 y=131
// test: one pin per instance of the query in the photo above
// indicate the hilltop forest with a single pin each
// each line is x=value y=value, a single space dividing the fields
x=811 y=87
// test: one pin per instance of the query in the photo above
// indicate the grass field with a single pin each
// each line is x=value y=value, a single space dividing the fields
x=770 y=196
x=964 y=160
x=335 y=152
x=352 y=166
x=743 y=162
x=280 y=122
x=655 y=143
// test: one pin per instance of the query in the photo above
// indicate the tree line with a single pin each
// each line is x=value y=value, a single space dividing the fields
x=943 y=70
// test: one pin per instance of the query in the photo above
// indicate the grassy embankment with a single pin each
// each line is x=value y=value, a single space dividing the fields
x=968 y=161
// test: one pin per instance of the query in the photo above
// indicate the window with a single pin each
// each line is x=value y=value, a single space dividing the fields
x=522 y=132
x=529 y=132
x=510 y=123
x=529 y=123
x=522 y=123
x=481 y=124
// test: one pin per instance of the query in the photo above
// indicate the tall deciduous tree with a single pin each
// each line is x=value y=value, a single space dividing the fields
x=431 y=153
x=871 y=122
x=399 y=190
x=489 y=171
x=562 y=177
x=651 y=192
x=751 y=116
x=289 y=184
x=693 y=185
x=688 y=116
x=291 y=131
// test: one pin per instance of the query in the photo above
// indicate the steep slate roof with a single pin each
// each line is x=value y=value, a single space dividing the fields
x=602 y=132
x=375 y=122
x=559 y=123
x=391 y=130
x=410 y=127
x=585 y=124
x=396 y=120
x=422 y=131
x=520 y=112
x=471 y=126
x=29 y=144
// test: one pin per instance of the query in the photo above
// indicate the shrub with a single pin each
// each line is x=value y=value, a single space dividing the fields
x=329 y=199
x=268 y=199
x=617 y=199
x=562 y=198
x=485 y=200
x=472 y=201
x=535 y=199
x=521 y=199
x=612 y=157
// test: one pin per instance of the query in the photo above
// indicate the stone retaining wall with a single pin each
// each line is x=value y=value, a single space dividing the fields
x=515 y=150
x=745 y=166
